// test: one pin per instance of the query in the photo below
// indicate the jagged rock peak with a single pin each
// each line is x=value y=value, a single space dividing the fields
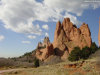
x=69 y=36
x=43 y=44
x=46 y=40
x=67 y=19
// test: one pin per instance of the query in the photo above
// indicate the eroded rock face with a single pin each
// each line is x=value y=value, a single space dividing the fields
x=99 y=33
x=67 y=36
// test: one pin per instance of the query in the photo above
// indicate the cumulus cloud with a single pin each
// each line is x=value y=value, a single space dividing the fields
x=74 y=6
x=26 y=42
x=46 y=27
x=46 y=34
x=19 y=15
x=2 y=37
x=31 y=37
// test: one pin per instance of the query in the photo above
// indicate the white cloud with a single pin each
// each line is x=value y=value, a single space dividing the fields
x=26 y=42
x=46 y=27
x=31 y=37
x=2 y=37
x=73 y=6
x=19 y=15
x=46 y=34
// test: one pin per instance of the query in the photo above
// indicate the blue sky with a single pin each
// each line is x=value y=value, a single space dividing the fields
x=24 y=23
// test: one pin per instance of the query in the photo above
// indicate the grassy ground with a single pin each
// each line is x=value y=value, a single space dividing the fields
x=89 y=67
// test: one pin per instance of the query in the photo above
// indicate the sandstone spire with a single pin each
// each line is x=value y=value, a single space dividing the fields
x=99 y=32
x=70 y=36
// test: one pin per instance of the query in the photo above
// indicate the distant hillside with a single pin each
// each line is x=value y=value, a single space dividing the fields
x=27 y=57
x=25 y=60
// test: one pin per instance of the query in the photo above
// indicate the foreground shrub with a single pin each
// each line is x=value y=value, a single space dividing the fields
x=85 y=53
x=36 y=62
x=75 y=54
x=93 y=48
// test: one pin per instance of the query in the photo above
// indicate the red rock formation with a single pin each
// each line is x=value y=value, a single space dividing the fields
x=85 y=32
x=67 y=36
x=99 y=33
x=43 y=54
x=46 y=41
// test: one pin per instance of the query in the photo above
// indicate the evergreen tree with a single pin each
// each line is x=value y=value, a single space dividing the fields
x=36 y=62
x=85 y=52
x=93 y=48
x=75 y=54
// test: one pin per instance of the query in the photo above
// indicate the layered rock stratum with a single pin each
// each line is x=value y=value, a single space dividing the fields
x=66 y=37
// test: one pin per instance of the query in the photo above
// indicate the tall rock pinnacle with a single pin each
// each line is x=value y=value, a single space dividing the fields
x=99 y=32
x=67 y=36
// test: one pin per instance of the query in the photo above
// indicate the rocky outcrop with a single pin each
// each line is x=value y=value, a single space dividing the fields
x=39 y=45
x=99 y=33
x=46 y=41
x=43 y=54
x=45 y=49
x=67 y=36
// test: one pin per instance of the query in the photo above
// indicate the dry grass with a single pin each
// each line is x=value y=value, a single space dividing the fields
x=88 y=68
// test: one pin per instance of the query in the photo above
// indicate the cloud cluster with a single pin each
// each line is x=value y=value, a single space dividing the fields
x=73 y=6
x=46 y=34
x=31 y=36
x=19 y=15
x=2 y=37
x=46 y=27
x=26 y=42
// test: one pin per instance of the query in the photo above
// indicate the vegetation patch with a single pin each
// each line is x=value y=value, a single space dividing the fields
x=77 y=54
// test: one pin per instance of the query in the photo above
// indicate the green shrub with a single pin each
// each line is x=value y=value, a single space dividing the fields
x=94 y=48
x=27 y=54
x=36 y=62
x=85 y=52
x=75 y=54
